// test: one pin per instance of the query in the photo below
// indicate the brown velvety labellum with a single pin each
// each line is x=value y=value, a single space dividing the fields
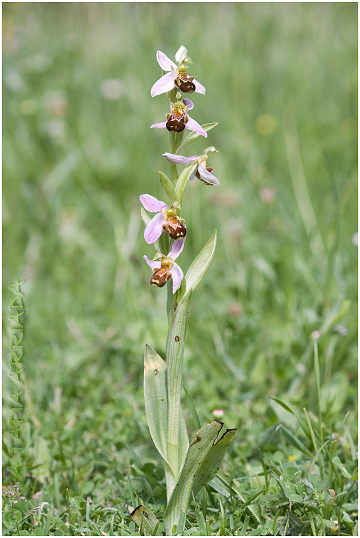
x=176 y=125
x=185 y=85
x=160 y=277
x=175 y=228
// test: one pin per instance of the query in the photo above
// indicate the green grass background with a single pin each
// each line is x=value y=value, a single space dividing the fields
x=281 y=81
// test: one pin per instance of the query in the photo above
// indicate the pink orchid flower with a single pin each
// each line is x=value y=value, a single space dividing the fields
x=166 y=219
x=166 y=268
x=202 y=172
x=179 y=119
x=177 y=75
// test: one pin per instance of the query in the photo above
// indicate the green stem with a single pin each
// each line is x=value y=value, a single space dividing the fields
x=170 y=481
x=173 y=436
x=174 y=177
x=170 y=306
x=173 y=149
x=177 y=440
x=175 y=140
x=177 y=436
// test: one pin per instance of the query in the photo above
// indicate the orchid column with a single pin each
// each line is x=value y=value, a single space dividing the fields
x=187 y=467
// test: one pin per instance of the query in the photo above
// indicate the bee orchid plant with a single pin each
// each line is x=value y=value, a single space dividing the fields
x=188 y=466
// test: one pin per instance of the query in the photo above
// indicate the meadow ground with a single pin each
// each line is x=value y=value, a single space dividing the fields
x=281 y=80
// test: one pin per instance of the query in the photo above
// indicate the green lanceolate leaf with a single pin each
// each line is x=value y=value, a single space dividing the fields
x=183 y=179
x=192 y=136
x=145 y=519
x=211 y=464
x=183 y=440
x=156 y=398
x=201 y=443
x=178 y=442
x=168 y=187
x=200 y=265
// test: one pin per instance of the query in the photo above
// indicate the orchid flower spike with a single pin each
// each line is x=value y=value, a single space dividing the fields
x=165 y=267
x=166 y=219
x=177 y=75
x=202 y=172
x=179 y=119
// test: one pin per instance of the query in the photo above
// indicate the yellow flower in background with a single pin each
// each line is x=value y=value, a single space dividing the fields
x=265 y=124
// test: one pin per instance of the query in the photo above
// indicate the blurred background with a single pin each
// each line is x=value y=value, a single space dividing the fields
x=281 y=80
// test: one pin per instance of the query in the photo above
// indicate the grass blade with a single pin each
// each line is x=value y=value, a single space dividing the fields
x=192 y=408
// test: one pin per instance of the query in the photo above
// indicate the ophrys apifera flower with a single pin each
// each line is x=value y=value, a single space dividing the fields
x=165 y=267
x=166 y=219
x=202 y=172
x=179 y=119
x=177 y=76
